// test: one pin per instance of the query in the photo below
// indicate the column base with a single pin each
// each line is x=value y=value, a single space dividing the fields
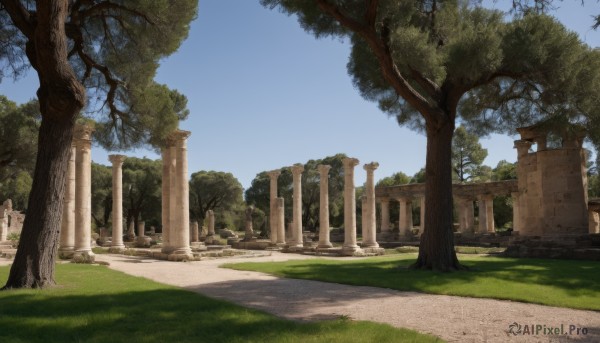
x=370 y=245
x=351 y=250
x=324 y=245
x=86 y=256
x=181 y=254
x=143 y=241
x=167 y=249
x=116 y=249
x=66 y=253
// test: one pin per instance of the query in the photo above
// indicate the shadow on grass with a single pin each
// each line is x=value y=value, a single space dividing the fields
x=552 y=282
x=94 y=304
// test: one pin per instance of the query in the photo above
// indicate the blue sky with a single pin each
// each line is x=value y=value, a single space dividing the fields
x=264 y=94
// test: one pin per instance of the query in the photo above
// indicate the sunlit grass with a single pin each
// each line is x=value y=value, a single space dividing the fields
x=564 y=283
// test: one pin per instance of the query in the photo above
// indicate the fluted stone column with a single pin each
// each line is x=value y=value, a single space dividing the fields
x=297 y=170
x=324 y=206
x=273 y=219
x=211 y=222
x=350 y=247
x=195 y=232
x=405 y=220
x=3 y=226
x=385 y=215
x=173 y=196
x=180 y=234
x=593 y=222
x=516 y=217
x=363 y=217
x=117 y=199
x=486 y=214
x=280 y=221
x=166 y=202
x=67 y=227
x=83 y=194
x=489 y=207
x=370 y=237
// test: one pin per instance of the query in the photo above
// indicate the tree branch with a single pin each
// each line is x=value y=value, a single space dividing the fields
x=20 y=16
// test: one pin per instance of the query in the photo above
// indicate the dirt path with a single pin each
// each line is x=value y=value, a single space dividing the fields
x=455 y=319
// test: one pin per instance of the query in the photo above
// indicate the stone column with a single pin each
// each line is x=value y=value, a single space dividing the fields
x=370 y=236
x=180 y=234
x=249 y=232
x=516 y=218
x=422 y=225
x=489 y=207
x=385 y=215
x=211 y=223
x=173 y=197
x=470 y=219
x=141 y=229
x=324 y=206
x=273 y=220
x=594 y=222
x=363 y=217
x=280 y=221
x=3 y=226
x=117 y=203
x=405 y=221
x=195 y=232
x=83 y=194
x=67 y=227
x=350 y=247
x=166 y=194
x=297 y=170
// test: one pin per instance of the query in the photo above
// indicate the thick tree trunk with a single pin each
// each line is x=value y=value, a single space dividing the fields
x=61 y=97
x=436 y=250
x=33 y=266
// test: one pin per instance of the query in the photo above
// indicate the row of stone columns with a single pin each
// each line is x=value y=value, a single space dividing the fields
x=76 y=230
x=350 y=245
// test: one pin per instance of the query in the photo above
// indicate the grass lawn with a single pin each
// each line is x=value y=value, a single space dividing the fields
x=564 y=283
x=96 y=304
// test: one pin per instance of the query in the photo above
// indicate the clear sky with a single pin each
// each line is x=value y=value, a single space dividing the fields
x=264 y=94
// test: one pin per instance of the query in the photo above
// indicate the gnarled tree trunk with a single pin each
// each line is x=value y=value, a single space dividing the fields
x=436 y=250
x=61 y=97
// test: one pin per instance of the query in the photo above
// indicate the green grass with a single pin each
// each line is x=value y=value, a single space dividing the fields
x=96 y=304
x=459 y=249
x=573 y=284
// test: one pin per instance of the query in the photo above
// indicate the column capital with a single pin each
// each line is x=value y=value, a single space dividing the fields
x=383 y=199
x=350 y=162
x=522 y=147
x=83 y=132
x=274 y=174
x=323 y=168
x=117 y=159
x=370 y=167
x=178 y=137
x=297 y=169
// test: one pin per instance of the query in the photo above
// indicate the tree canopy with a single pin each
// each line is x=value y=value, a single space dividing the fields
x=467 y=155
x=213 y=190
x=433 y=63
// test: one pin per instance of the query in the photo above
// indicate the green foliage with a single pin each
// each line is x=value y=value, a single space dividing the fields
x=101 y=195
x=115 y=51
x=398 y=178
x=18 y=149
x=467 y=156
x=217 y=191
x=563 y=283
x=142 y=192
x=96 y=304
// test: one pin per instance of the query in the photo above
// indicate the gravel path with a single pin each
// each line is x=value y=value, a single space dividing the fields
x=455 y=319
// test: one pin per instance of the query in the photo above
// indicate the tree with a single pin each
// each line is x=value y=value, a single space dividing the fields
x=503 y=205
x=420 y=60
x=467 y=155
x=105 y=50
x=396 y=179
x=142 y=193
x=213 y=190
x=18 y=137
x=101 y=194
